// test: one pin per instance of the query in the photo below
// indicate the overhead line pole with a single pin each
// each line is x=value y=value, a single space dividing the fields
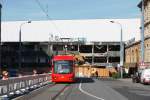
x=142 y=33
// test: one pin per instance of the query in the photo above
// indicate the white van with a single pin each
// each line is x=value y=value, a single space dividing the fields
x=145 y=76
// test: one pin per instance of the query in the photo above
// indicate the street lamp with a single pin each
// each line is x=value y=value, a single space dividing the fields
x=121 y=48
x=20 y=46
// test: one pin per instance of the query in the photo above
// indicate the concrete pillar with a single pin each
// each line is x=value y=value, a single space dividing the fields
x=107 y=53
x=93 y=54
x=51 y=49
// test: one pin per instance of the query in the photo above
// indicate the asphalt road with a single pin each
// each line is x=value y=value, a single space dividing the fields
x=105 y=89
x=132 y=91
x=90 y=89
x=97 y=89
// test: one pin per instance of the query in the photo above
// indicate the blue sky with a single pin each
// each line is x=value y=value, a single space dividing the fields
x=69 y=9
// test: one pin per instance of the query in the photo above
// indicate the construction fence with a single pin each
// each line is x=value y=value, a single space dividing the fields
x=93 y=71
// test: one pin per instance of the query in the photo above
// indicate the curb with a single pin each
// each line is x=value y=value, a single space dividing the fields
x=125 y=80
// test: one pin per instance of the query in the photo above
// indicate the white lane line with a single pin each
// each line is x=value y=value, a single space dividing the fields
x=88 y=93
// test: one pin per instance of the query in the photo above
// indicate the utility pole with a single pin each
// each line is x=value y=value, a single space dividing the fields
x=142 y=33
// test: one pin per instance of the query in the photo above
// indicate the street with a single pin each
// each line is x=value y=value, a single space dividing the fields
x=97 y=89
x=132 y=91
x=90 y=89
x=107 y=90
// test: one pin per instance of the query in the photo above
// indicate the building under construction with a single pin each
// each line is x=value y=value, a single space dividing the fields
x=38 y=54
x=102 y=54
x=40 y=40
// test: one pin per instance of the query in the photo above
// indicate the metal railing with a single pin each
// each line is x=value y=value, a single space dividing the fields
x=21 y=84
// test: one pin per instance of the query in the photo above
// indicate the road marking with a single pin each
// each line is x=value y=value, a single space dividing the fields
x=89 y=94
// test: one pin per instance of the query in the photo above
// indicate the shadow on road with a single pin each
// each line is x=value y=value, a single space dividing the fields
x=84 y=80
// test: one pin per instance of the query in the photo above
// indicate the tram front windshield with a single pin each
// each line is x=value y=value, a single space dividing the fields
x=63 y=67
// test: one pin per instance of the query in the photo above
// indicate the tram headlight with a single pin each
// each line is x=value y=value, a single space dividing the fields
x=70 y=78
x=54 y=78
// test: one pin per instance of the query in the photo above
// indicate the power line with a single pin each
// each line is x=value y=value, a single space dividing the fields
x=42 y=8
x=47 y=15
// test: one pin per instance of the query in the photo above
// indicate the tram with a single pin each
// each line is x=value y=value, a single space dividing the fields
x=63 y=68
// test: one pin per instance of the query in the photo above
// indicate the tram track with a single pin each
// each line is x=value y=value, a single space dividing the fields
x=60 y=92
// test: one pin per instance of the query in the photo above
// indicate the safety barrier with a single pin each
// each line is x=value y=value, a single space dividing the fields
x=21 y=84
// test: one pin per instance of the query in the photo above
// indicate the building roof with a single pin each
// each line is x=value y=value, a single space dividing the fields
x=132 y=44
x=135 y=43
x=91 y=29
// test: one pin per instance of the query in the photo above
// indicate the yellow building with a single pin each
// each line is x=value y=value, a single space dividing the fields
x=133 y=50
x=132 y=56
x=146 y=29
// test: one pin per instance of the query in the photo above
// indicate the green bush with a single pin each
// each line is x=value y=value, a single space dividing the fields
x=115 y=75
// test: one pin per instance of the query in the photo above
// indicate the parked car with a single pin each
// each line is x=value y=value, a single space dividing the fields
x=145 y=76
